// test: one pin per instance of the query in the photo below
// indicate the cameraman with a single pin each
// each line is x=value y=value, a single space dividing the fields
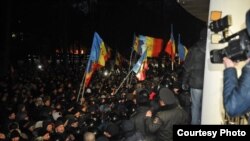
x=236 y=91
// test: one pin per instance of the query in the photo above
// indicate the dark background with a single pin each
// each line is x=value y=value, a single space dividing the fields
x=41 y=26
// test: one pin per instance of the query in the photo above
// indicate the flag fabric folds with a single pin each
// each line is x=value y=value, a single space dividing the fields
x=98 y=43
x=139 y=45
x=96 y=58
x=141 y=66
x=170 y=46
x=153 y=45
x=182 y=50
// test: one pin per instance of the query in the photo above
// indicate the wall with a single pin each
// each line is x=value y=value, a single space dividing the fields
x=212 y=110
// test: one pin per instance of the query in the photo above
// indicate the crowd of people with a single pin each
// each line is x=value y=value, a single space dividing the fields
x=41 y=104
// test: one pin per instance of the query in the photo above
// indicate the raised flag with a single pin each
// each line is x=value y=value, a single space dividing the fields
x=170 y=46
x=141 y=75
x=153 y=45
x=96 y=58
x=139 y=45
x=98 y=43
x=181 y=50
x=141 y=66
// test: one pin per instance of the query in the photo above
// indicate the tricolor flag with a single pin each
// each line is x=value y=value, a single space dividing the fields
x=98 y=43
x=170 y=46
x=138 y=45
x=182 y=50
x=141 y=66
x=96 y=58
x=153 y=45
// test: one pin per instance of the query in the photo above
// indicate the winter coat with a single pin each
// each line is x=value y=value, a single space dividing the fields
x=194 y=66
x=138 y=118
x=236 y=92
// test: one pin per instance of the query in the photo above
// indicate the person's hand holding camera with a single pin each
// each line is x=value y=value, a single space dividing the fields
x=228 y=62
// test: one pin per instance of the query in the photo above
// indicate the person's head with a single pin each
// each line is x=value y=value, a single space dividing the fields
x=127 y=127
x=59 y=127
x=13 y=126
x=166 y=97
x=47 y=101
x=89 y=136
x=48 y=125
x=111 y=130
x=11 y=115
x=142 y=97
x=44 y=134
x=15 y=135
x=73 y=122
x=2 y=136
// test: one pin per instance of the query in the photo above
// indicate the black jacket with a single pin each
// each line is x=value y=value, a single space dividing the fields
x=138 y=118
x=194 y=66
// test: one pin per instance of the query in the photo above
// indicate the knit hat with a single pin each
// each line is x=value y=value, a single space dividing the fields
x=167 y=96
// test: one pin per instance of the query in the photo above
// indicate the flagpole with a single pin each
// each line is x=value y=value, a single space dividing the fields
x=83 y=91
x=130 y=80
x=81 y=86
x=123 y=81
x=130 y=61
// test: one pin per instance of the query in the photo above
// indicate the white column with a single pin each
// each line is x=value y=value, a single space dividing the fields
x=212 y=107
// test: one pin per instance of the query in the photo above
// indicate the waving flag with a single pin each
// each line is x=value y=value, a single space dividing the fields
x=139 y=46
x=153 y=45
x=141 y=66
x=98 y=43
x=96 y=58
x=170 y=47
x=182 y=50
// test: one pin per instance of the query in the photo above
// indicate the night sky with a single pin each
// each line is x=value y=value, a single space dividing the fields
x=41 y=26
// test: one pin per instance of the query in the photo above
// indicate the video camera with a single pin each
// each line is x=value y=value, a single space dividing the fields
x=238 y=49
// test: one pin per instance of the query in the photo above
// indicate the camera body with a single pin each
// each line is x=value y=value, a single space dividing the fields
x=238 y=48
